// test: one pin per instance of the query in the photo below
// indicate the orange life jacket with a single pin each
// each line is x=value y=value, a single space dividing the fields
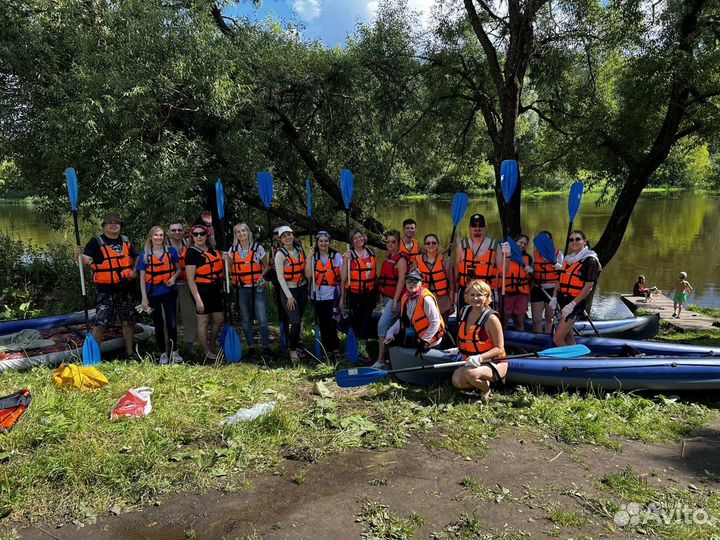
x=544 y=271
x=471 y=267
x=413 y=251
x=517 y=280
x=570 y=282
x=420 y=321
x=294 y=268
x=389 y=274
x=12 y=408
x=211 y=269
x=474 y=339
x=326 y=273
x=158 y=270
x=435 y=276
x=115 y=267
x=363 y=274
x=245 y=271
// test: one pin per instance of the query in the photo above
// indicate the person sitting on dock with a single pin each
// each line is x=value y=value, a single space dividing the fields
x=682 y=290
x=640 y=289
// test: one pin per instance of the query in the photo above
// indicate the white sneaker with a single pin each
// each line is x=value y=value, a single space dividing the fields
x=177 y=358
x=379 y=365
x=164 y=359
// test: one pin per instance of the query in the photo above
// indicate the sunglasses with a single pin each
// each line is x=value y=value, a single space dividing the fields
x=576 y=239
x=199 y=233
x=431 y=243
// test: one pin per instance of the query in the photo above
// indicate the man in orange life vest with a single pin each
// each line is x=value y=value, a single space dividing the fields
x=112 y=259
x=477 y=257
x=409 y=245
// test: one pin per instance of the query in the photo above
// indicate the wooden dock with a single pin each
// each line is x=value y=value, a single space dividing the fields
x=689 y=320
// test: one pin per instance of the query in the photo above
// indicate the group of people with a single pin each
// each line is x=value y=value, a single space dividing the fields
x=418 y=286
x=682 y=290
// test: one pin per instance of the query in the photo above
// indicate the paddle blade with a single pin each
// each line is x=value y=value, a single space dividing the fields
x=576 y=193
x=515 y=252
x=72 y=185
x=318 y=348
x=509 y=175
x=569 y=351
x=544 y=245
x=265 y=187
x=220 y=199
x=458 y=208
x=353 y=354
x=90 y=351
x=349 y=378
x=231 y=345
x=347 y=186
x=308 y=188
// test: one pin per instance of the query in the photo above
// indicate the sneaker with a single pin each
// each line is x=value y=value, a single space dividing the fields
x=294 y=358
x=379 y=365
x=211 y=356
x=176 y=358
x=164 y=360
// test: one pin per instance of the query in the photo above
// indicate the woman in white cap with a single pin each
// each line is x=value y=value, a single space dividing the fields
x=291 y=259
x=324 y=275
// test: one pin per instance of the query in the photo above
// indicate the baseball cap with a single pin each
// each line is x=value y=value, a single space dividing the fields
x=413 y=275
x=111 y=216
x=477 y=220
x=283 y=229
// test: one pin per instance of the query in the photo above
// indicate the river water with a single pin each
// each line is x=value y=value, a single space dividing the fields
x=666 y=235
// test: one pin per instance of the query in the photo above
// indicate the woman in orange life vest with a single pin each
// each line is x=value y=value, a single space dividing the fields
x=437 y=274
x=419 y=311
x=359 y=287
x=580 y=272
x=204 y=268
x=324 y=275
x=409 y=245
x=290 y=268
x=480 y=341
x=248 y=263
x=517 y=286
x=544 y=280
x=186 y=303
x=391 y=285
x=159 y=267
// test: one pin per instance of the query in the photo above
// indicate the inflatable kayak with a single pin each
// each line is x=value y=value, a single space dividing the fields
x=68 y=341
x=661 y=373
x=41 y=323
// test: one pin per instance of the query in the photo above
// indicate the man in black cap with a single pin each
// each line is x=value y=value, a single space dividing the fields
x=477 y=258
x=112 y=259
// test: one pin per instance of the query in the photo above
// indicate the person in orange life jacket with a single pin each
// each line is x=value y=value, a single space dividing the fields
x=480 y=342
x=359 y=286
x=159 y=268
x=186 y=303
x=290 y=258
x=112 y=259
x=580 y=272
x=437 y=274
x=419 y=311
x=409 y=245
x=271 y=276
x=391 y=285
x=248 y=262
x=477 y=257
x=323 y=272
x=204 y=267
x=544 y=280
x=517 y=286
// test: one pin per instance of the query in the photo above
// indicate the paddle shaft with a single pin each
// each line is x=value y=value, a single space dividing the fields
x=82 y=273
x=461 y=363
x=567 y=237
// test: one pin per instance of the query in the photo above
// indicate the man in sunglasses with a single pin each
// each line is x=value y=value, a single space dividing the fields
x=112 y=258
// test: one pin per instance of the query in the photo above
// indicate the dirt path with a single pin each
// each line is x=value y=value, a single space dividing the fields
x=525 y=484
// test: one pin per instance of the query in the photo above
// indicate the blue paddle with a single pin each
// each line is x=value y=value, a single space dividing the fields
x=509 y=176
x=457 y=210
x=574 y=199
x=544 y=244
x=347 y=186
x=228 y=337
x=265 y=187
x=318 y=347
x=348 y=378
x=91 y=350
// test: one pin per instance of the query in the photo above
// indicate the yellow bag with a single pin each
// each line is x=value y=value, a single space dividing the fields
x=73 y=376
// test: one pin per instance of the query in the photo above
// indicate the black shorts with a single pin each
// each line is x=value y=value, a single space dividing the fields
x=577 y=313
x=115 y=305
x=211 y=296
x=536 y=294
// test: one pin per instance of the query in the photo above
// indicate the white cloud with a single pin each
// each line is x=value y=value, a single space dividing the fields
x=372 y=8
x=307 y=9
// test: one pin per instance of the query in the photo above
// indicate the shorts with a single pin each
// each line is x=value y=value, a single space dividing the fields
x=564 y=300
x=680 y=297
x=515 y=304
x=115 y=305
x=211 y=296
x=536 y=294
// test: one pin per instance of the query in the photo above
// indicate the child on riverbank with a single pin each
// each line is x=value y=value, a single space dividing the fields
x=682 y=290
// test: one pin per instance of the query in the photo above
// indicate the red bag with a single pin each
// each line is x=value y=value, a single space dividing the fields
x=134 y=404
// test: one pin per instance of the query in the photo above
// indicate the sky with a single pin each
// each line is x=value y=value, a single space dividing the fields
x=330 y=21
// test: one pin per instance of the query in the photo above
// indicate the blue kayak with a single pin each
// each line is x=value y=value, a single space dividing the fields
x=44 y=323
x=660 y=373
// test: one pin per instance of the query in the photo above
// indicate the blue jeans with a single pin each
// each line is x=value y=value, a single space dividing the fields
x=388 y=317
x=245 y=301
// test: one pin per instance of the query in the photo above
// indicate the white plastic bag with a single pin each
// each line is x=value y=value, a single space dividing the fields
x=134 y=404
x=245 y=415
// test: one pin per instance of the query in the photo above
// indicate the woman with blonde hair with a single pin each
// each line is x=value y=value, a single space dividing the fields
x=248 y=263
x=480 y=341
x=159 y=267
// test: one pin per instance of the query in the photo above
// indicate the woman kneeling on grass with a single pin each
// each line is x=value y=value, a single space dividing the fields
x=480 y=341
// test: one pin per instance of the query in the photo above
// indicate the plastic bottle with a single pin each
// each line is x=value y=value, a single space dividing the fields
x=245 y=415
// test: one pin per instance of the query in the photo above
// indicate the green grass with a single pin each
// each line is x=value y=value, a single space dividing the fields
x=713 y=313
x=381 y=523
